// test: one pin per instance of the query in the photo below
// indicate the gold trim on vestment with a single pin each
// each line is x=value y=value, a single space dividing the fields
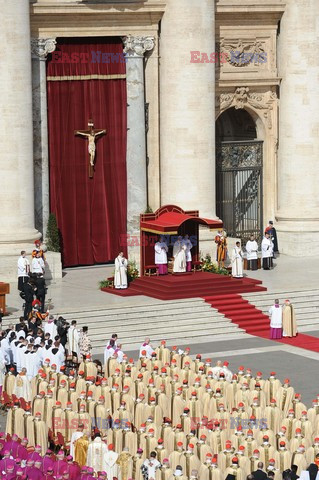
x=61 y=78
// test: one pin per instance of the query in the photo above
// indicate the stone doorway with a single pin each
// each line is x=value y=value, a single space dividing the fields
x=239 y=162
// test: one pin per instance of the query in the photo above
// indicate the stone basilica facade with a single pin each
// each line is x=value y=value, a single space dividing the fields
x=223 y=114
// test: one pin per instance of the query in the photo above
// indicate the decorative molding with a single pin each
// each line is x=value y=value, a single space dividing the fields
x=242 y=53
x=135 y=46
x=243 y=97
x=41 y=47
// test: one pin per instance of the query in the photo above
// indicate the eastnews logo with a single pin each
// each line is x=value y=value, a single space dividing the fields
x=235 y=57
x=127 y=240
x=88 y=57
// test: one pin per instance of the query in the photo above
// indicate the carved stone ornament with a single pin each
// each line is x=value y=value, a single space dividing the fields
x=242 y=97
x=41 y=47
x=242 y=53
x=137 y=46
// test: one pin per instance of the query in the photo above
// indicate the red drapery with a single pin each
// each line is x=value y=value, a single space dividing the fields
x=91 y=213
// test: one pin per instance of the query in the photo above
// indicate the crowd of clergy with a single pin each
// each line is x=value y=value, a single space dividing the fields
x=163 y=416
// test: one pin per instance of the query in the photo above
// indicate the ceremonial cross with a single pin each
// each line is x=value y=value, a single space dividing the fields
x=91 y=134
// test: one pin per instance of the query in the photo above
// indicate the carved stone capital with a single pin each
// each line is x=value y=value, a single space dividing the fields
x=137 y=46
x=41 y=47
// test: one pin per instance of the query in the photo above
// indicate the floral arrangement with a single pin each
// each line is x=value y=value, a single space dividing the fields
x=212 y=267
x=132 y=271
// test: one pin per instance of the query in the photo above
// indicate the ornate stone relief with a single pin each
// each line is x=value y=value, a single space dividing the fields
x=137 y=46
x=243 y=97
x=242 y=53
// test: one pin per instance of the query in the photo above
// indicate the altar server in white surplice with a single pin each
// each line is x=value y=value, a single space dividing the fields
x=267 y=249
x=161 y=250
x=189 y=246
x=74 y=338
x=252 y=253
x=120 y=277
x=237 y=261
x=179 y=254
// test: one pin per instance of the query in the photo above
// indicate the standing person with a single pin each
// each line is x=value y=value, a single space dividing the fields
x=161 y=250
x=28 y=290
x=237 y=261
x=267 y=252
x=120 y=277
x=73 y=340
x=85 y=343
x=273 y=234
x=179 y=254
x=289 y=325
x=221 y=242
x=189 y=246
x=252 y=253
x=275 y=313
x=37 y=265
x=23 y=270
x=259 y=474
x=40 y=290
x=149 y=467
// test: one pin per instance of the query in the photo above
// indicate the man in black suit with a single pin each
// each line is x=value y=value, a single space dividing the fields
x=259 y=474
x=293 y=473
x=41 y=289
x=28 y=290
x=21 y=326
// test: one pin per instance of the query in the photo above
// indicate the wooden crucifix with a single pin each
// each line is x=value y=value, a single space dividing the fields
x=91 y=134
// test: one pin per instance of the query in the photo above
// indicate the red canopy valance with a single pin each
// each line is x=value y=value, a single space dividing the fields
x=169 y=218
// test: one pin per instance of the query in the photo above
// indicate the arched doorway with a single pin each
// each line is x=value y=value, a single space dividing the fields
x=239 y=161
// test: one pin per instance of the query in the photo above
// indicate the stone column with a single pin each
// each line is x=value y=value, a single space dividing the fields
x=134 y=49
x=298 y=193
x=16 y=160
x=187 y=106
x=40 y=48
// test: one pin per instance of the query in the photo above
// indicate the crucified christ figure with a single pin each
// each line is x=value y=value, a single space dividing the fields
x=91 y=134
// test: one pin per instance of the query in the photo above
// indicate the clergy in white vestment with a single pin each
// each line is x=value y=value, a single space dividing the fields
x=109 y=350
x=51 y=328
x=96 y=454
x=149 y=467
x=37 y=265
x=275 y=313
x=267 y=249
x=252 y=253
x=111 y=467
x=120 y=276
x=161 y=250
x=73 y=339
x=237 y=261
x=75 y=436
x=146 y=349
x=188 y=244
x=179 y=254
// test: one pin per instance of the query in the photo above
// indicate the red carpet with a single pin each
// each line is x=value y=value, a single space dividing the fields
x=254 y=322
x=188 y=285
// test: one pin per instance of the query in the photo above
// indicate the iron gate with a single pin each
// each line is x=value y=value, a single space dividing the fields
x=239 y=188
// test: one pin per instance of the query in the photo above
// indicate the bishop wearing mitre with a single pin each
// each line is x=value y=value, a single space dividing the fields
x=289 y=325
x=120 y=277
x=179 y=254
x=161 y=250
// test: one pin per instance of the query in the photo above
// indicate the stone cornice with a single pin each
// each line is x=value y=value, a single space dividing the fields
x=93 y=19
x=249 y=11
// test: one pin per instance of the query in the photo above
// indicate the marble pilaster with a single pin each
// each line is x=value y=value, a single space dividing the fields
x=298 y=193
x=40 y=48
x=134 y=49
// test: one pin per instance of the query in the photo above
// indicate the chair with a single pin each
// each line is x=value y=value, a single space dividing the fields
x=197 y=266
x=150 y=270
